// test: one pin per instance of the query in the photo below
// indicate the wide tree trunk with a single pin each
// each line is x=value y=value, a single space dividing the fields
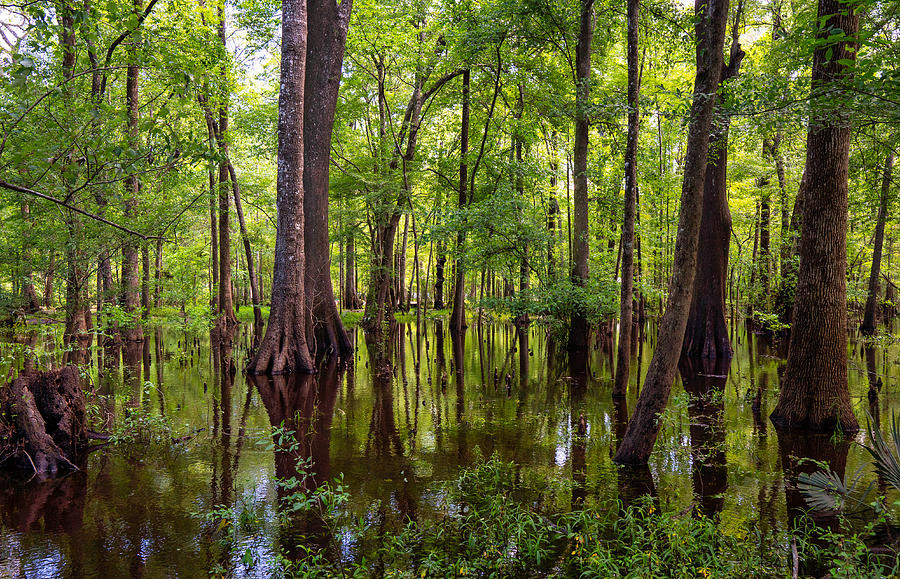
x=328 y=24
x=870 y=319
x=626 y=300
x=706 y=335
x=284 y=348
x=711 y=20
x=814 y=394
x=578 y=326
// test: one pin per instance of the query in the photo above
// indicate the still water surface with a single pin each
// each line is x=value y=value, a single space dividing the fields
x=396 y=438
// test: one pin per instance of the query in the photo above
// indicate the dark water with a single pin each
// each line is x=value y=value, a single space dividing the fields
x=395 y=438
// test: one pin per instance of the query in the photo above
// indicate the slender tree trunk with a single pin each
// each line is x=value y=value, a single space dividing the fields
x=145 y=281
x=458 y=315
x=130 y=266
x=251 y=269
x=214 y=245
x=814 y=394
x=31 y=300
x=870 y=319
x=439 y=266
x=351 y=296
x=328 y=23
x=284 y=348
x=157 y=290
x=711 y=20
x=48 y=280
x=578 y=327
x=623 y=356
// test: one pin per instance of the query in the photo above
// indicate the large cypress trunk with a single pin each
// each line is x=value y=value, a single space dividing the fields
x=328 y=24
x=711 y=20
x=814 y=393
x=623 y=355
x=284 y=348
x=578 y=327
x=870 y=319
x=706 y=335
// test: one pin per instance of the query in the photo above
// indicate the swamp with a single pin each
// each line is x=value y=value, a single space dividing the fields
x=446 y=288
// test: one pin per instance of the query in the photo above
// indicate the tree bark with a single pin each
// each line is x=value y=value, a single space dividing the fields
x=130 y=276
x=814 y=394
x=706 y=335
x=214 y=245
x=458 y=315
x=870 y=319
x=626 y=301
x=578 y=325
x=251 y=268
x=31 y=300
x=285 y=349
x=350 y=294
x=328 y=23
x=711 y=20
x=48 y=280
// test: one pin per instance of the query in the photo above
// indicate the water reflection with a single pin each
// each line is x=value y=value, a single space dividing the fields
x=704 y=381
x=398 y=426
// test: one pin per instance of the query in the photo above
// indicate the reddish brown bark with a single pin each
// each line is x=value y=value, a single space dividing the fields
x=284 y=349
x=814 y=394
x=328 y=22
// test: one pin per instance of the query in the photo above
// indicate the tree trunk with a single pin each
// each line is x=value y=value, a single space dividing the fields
x=458 y=315
x=350 y=294
x=439 y=265
x=578 y=326
x=48 y=280
x=706 y=335
x=145 y=281
x=623 y=356
x=814 y=394
x=31 y=300
x=784 y=297
x=130 y=276
x=870 y=319
x=214 y=245
x=251 y=269
x=157 y=290
x=284 y=348
x=711 y=20
x=328 y=24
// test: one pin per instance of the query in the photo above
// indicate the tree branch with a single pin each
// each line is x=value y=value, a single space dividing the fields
x=11 y=187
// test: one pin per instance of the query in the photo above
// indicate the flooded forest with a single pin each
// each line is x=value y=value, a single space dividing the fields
x=445 y=288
